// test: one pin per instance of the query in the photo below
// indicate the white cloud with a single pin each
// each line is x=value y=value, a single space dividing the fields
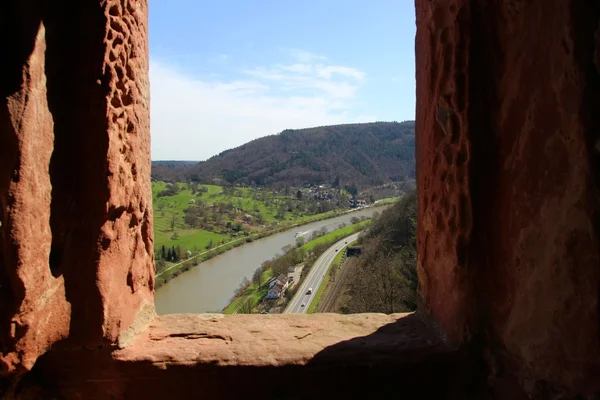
x=300 y=68
x=196 y=118
x=328 y=71
x=304 y=56
x=219 y=59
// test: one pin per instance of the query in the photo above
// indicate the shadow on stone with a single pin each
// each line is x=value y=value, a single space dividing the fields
x=405 y=358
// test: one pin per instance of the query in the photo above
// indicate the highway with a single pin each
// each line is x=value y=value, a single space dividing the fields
x=315 y=277
x=331 y=226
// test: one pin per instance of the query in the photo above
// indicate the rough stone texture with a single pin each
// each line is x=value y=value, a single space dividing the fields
x=443 y=162
x=508 y=152
x=508 y=122
x=76 y=253
x=33 y=309
x=260 y=356
x=273 y=340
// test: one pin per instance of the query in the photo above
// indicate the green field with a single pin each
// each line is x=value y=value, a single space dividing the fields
x=348 y=230
x=390 y=200
x=251 y=291
x=227 y=217
x=165 y=208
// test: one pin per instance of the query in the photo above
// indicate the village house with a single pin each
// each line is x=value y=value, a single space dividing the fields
x=276 y=291
x=281 y=279
x=277 y=287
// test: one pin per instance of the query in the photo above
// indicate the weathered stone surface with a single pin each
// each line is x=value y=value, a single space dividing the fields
x=507 y=123
x=34 y=309
x=508 y=152
x=262 y=356
x=272 y=340
x=76 y=253
x=127 y=291
x=444 y=161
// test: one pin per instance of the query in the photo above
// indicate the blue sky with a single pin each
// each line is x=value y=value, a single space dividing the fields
x=225 y=72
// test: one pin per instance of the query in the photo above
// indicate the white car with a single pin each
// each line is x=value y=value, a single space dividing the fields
x=309 y=291
x=302 y=305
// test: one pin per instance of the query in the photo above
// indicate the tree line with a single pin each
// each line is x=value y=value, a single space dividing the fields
x=292 y=255
x=171 y=254
x=361 y=154
x=384 y=277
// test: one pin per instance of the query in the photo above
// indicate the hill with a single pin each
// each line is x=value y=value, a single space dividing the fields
x=173 y=163
x=383 y=278
x=170 y=169
x=361 y=154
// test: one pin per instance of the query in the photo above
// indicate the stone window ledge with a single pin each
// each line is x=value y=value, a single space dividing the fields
x=283 y=339
x=246 y=356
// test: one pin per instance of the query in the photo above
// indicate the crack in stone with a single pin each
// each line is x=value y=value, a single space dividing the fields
x=303 y=336
x=193 y=336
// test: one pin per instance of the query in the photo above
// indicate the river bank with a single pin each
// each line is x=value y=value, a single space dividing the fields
x=209 y=286
x=310 y=251
x=173 y=271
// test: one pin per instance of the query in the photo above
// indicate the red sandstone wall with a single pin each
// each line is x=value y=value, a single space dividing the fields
x=508 y=124
x=76 y=251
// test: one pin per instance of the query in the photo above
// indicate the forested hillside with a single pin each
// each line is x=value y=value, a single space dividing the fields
x=362 y=154
x=384 y=278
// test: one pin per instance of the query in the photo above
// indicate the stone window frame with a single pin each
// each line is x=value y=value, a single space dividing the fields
x=76 y=236
x=88 y=157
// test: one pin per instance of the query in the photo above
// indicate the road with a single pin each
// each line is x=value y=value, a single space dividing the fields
x=315 y=277
x=331 y=226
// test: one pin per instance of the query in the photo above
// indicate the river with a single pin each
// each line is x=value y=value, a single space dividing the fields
x=210 y=286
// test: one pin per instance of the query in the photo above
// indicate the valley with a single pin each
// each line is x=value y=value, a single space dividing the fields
x=272 y=204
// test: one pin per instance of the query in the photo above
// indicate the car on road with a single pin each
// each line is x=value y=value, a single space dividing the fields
x=309 y=291
x=345 y=242
x=302 y=305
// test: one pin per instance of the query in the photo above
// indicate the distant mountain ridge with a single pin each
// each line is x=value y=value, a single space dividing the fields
x=365 y=154
x=174 y=163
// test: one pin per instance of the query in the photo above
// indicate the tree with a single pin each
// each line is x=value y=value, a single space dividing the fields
x=175 y=236
x=243 y=286
x=336 y=182
x=260 y=218
x=287 y=248
x=281 y=209
x=210 y=244
x=352 y=189
x=172 y=222
x=299 y=194
x=257 y=277
x=384 y=278
x=245 y=307
x=191 y=219
x=163 y=254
